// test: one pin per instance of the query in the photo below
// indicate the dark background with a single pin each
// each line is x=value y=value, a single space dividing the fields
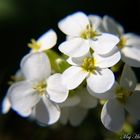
x=21 y=20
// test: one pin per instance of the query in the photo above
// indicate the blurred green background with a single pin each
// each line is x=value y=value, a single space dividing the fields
x=21 y=20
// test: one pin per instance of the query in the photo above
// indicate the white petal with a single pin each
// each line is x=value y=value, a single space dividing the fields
x=73 y=61
x=108 y=60
x=111 y=26
x=71 y=101
x=112 y=115
x=132 y=39
x=104 y=43
x=130 y=55
x=57 y=91
x=77 y=115
x=69 y=37
x=95 y=21
x=6 y=105
x=76 y=47
x=73 y=77
x=133 y=105
x=77 y=60
x=36 y=66
x=23 y=97
x=105 y=95
x=87 y=101
x=74 y=24
x=128 y=78
x=46 y=112
x=47 y=40
x=101 y=81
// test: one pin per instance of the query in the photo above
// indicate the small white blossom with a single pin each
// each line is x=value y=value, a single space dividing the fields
x=70 y=111
x=84 y=34
x=123 y=97
x=6 y=105
x=129 y=44
x=38 y=88
x=43 y=43
x=93 y=68
x=76 y=107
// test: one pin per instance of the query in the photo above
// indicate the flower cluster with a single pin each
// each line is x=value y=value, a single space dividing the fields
x=95 y=66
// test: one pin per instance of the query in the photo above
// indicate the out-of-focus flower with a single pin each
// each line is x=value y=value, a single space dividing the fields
x=6 y=105
x=94 y=68
x=43 y=43
x=38 y=89
x=83 y=34
x=129 y=44
x=76 y=107
x=137 y=86
x=123 y=97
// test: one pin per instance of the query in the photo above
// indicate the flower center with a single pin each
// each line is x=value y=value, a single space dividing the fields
x=34 y=45
x=122 y=94
x=122 y=42
x=89 y=33
x=89 y=64
x=40 y=87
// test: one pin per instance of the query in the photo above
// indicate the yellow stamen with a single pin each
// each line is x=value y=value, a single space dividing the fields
x=122 y=94
x=122 y=42
x=40 y=87
x=34 y=45
x=89 y=64
x=89 y=33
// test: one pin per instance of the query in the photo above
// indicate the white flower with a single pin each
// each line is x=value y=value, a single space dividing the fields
x=84 y=34
x=70 y=112
x=38 y=88
x=123 y=97
x=86 y=100
x=45 y=42
x=6 y=105
x=94 y=68
x=129 y=44
x=76 y=107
